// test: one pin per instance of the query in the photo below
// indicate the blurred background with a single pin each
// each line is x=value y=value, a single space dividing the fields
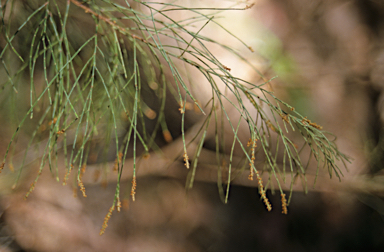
x=329 y=58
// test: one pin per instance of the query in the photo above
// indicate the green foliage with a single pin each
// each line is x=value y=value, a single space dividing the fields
x=106 y=73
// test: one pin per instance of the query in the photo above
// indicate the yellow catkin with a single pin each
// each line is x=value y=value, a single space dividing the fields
x=106 y=219
x=250 y=176
x=133 y=189
x=262 y=192
x=316 y=125
x=284 y=204
x=82 y=188
x=251 y=164
x=186 y=160
x=306 y=121
x=80 y=181
x=67 y=174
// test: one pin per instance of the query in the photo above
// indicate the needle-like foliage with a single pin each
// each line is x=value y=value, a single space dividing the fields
x=77 y=75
